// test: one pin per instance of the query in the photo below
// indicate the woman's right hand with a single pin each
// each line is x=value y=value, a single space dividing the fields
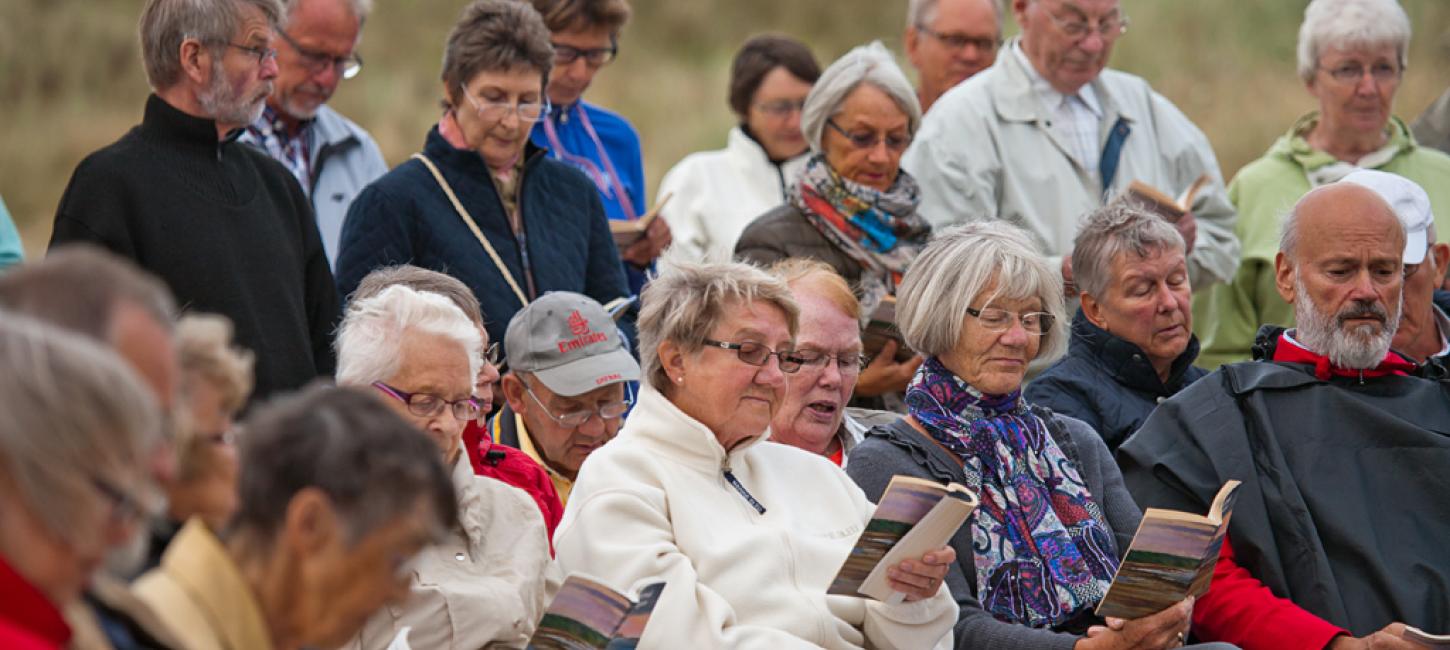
x=1160 y=631
x=884 y=374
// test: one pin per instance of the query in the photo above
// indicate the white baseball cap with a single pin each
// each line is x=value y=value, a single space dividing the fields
x=1409 y=202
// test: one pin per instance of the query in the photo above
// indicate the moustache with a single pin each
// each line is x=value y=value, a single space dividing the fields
x=1366 y=309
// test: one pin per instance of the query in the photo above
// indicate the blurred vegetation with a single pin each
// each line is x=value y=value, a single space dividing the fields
x=71 y=79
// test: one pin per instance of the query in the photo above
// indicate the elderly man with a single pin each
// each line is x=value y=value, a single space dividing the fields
x=1047 y=132
x=331 y=157
x=1337 y=532
x=948 y=41
x=565 y=390
x=1132 y=342
x=227 y=228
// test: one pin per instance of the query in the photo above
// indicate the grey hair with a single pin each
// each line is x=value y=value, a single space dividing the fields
x=166 y=24
x=1351 y=23
x=871 y=64
x=372 y=465
x=955 y=269
x=208 y=356
x=79 y=286
x=1117 y=228
x=687 y=300
x=368 y=340
x=360 y=9
x=921 y=13
x=74 y=413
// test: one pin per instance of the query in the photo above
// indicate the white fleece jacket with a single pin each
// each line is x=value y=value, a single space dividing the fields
x=655 y=503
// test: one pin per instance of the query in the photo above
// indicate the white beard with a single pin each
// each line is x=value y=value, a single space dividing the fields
x=1358 y=348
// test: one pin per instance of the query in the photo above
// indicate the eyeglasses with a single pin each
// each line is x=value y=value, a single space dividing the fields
x=1353 y=72
x=961 y=41
x=1000 y=320
x=262 y=53
x=427 y=405
x=894 y=142
x=757 y=354
x=487 y=110
x=347 y=66
x=124 y=507
x=781 y=107
x=1108 y=28
x=848 y=363
x=576 y=419
x=492 y=356
x=595 y=57
x=225 y=438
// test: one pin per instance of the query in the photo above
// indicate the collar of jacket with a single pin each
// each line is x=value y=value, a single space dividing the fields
x=657 y=423
x=200 y=564
x=334 y=131
x=474 y=514
x=742 y=143
x=1295 y=146
x=166 y=123
x=1125 y=361
x=1015 y=101
x=468 y=161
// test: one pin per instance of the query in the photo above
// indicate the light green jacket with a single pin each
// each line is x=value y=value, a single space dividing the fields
x=1227 y=316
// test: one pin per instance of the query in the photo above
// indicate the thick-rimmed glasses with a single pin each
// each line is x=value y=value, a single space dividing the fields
x=492 y=111
x=848 y=363
x=1351 y=73
x=427 y=405
x=757 y=354
x=347 y=66
x=1109 y=27
x=262 y=53
x=1036 y=323
x=595 y=57
x=894 y=142
x=576 y=419
x=961 y=41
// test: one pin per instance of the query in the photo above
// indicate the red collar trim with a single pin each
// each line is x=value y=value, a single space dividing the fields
x=25 y=607
x=1290 y=351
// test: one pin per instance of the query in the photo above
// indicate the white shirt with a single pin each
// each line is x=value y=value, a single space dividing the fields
x=1076 y=119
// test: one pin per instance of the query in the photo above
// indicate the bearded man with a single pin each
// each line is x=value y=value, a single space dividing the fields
x=1337 y=536
x=226 y=227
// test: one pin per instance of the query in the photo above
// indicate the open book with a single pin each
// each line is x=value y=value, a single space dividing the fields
x=1172 y=209
x=586 y=614
x=880 y=328
x=1426 y=639
x=913 y=516
x=628 y=231
x=1171 y=558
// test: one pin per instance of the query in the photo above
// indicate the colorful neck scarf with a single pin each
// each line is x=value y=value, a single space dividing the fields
x=1043 y=552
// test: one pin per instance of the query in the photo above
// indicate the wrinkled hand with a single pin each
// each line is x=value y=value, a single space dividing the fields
x=648 y=248
x=1188 y=227
x=885 y=374
x=1389 y=638
x=1160 y=631
x=922 y=577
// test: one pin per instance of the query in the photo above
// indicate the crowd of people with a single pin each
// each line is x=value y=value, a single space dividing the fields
x=264 y=392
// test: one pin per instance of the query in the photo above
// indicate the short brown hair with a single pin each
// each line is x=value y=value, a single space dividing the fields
x=566 y=15
x=758 y=57
x=496 y=36
x=420 y=279
x=798 y=271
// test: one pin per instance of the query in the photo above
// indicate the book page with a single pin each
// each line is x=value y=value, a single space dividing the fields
x=631 y=629
x=1426 y=639
x=904 y=503
x=932 y=532
x=584 y=614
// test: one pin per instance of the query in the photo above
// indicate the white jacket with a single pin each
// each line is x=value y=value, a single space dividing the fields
x=486 y=585
x=984 y=151
x=716 y=194
x=654 y=503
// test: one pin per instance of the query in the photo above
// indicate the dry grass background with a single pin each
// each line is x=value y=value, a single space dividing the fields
x=71 y=79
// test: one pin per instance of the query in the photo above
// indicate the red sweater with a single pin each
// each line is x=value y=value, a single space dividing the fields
x=1240 y=610
x=28 y=620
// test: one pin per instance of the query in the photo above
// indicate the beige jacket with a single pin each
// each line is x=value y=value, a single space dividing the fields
x=654 y=503
x=200 y=594
x=486 y=585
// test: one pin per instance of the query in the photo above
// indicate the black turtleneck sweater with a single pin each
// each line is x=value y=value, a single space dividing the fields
x=225 y=226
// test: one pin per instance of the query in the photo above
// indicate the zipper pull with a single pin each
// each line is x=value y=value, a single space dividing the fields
x=730 y=478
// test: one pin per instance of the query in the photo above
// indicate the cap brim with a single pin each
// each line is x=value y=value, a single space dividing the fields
x=1415 y=246
x=587 y=374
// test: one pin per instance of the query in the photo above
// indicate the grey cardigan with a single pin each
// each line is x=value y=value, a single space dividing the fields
x=898 y=448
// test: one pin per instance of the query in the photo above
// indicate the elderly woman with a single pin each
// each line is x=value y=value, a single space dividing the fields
x=1038 y=554
x=77 y=430
x=853 y=206
x=1352 y=56
x=489 y=580
x=1132 y=342
x=747 y=536
x=714 y=195
x=480 y=202
x=337 y=493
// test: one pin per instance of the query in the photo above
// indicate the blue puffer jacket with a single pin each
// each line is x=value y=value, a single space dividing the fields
x=1108 y=382
x=404 y=217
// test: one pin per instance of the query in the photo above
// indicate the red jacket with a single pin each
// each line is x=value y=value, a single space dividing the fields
x=514 y=467
x=28 y=620
x=1240 y=610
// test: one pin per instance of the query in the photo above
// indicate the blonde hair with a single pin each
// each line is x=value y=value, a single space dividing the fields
x=797 y=271
x=205 y=348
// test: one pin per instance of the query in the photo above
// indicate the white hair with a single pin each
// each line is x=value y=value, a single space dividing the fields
x=359 y=8
x=872 y=64
x=1120 y=227
x=956 y=267
x=1351 y=23
x=921 y=13
x=368 y=339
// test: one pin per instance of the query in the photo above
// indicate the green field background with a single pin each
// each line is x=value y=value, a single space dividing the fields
x=71 y=79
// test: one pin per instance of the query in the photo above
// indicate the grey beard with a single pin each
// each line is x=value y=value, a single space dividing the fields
x=1354 y=349
x=224 y=105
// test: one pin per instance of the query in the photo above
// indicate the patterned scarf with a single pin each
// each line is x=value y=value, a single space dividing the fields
x=881 y=231
x=1043 y=551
